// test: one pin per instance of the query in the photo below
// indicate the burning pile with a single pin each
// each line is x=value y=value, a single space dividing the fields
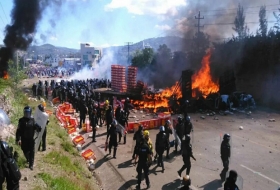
x=202 y=82
x=160 y=99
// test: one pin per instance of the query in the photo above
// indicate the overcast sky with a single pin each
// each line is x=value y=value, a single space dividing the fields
x=115 y=22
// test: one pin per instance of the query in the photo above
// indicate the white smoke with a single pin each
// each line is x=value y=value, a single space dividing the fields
x=102 y=70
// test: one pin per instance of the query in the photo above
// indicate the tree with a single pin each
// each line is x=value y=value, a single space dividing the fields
x=239 y=23
x=200 y=42
x=277 y=24
x=263 y=21
x=16 y=75
x=142 y=58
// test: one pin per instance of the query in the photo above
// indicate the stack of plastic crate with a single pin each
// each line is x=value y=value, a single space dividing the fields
x=131 y=78
x=118 y=83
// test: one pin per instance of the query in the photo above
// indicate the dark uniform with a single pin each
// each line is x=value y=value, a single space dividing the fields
x=25 y=135
x=126 y=107
x=93 y=122
x=112 y=133
x=34 y=90
x=138 y=135
x=179 y=131
x=187 y=155
x=225 y=155
x=123 y=121
x=144 y=153
x=168 y=132
x=161 y=144
x=83 y=112
x=4 y=171
x=188 y=127
x=230 y=182
x=109 y=117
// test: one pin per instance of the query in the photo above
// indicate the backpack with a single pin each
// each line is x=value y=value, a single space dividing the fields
x=9 y=162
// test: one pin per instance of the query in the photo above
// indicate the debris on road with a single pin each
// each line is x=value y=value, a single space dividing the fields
x=241 y=127
x=202 y=117
x=216 y=118
x=271 y=120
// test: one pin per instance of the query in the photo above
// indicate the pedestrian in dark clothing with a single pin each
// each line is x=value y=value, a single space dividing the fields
x=187 y=155
x=83 y=112
x=186 y=183
x=225 y=155
x=161 y=144
x=145 y=158
x=5 y=174
x=25 y=135
x=34 y=90
x=231 y=180
x=126 y=107
x=137 y=137
x=168 y=132
x=112 y=133
x=123 y=121
x=109 y=117
x=179 y=132
x=93 y=122
x=118 y=113
x=188 y=126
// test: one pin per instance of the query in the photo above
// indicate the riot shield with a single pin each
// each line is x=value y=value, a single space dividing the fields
x=176 y=137
x=121 y=128
x=41 y=119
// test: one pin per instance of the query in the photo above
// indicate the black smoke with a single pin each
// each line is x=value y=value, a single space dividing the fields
x=20 y=32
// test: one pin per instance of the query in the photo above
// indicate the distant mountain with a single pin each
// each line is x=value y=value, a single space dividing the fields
x=173 y=42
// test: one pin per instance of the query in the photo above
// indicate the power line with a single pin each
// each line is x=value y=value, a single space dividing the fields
x=234 y=13
x=4 y=12
x=128 y=45
x=198 y=22
x=2 y=20
x=233 y=23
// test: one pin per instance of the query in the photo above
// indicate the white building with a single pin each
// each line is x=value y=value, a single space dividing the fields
x=54 y=61
x=90 y=56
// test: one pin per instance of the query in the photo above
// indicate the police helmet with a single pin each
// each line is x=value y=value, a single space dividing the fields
x=180 y=119
x=115 y=123
x=161 y=129
x=187 y=102
x=27 y=112
x=140 y=127
x=41 y=108
x=94 y=110
x=226 y=137
x=188 y=119
x=167 y=122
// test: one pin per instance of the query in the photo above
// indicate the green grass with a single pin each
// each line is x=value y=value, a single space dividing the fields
x=68 y=147
x=59 y=183
x=57 y=158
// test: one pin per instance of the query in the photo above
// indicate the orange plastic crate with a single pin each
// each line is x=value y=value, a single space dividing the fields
x=88 y=154
x=79 y=140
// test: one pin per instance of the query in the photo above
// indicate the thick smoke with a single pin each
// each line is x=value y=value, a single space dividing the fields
x=101 y=71
x=19 y=34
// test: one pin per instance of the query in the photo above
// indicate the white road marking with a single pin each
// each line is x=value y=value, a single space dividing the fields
x=274 y=181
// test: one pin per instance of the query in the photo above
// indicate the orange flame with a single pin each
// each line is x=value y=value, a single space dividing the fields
x=6 y=76
x=202 y=82
x=160 y=99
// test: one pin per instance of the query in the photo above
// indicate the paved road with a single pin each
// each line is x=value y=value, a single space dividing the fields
x=255 y=154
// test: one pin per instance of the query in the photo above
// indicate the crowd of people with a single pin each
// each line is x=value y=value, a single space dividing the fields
x=42 y=71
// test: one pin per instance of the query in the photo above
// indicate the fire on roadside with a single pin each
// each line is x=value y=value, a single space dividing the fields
x=160 y=99
x=202 y=82
x=5 y=75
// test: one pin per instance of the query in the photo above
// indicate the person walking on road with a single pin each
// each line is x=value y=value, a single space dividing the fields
x=230 y=181
x=137 y=136
x=145 y=158
x=187 y=155
x=161 y=144
x=225 y=155
x=113 y=134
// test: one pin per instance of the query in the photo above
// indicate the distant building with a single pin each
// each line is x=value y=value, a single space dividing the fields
x=90 y=56
x=52 y=60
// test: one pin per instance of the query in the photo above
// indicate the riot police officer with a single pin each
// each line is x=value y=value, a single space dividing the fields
x=136 y=137
x=187 y=154
x=188 y=126
x=126 y=107
x=231 y=180
x=25 y=135
x=145 y=158
x=123 y=121
x=112 y=133
x=161 y=144
x=168 y=132
x=179 y=132
x=93 y=122
x=225 y=155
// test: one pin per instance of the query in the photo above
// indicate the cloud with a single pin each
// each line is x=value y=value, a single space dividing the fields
x=141 y=7
x=163 y=27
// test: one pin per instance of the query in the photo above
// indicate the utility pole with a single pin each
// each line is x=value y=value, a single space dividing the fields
x=198 y=22
x=198 y=28
x=128 y=45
